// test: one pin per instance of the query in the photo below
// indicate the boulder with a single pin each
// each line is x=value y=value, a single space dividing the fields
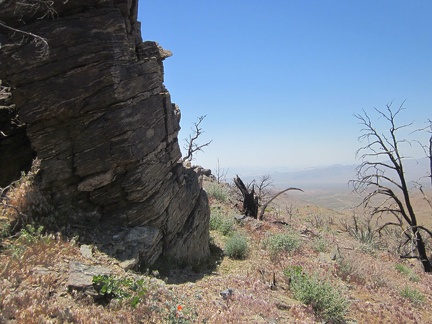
x=91 y=97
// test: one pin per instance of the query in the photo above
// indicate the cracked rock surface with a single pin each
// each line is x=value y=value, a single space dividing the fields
x=100 y=119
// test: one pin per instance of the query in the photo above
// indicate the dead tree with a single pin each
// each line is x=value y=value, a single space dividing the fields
x=191 y=146
x=382 y=174
x=252 y=201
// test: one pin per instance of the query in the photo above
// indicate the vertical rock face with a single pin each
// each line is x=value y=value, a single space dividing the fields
x=102 y=123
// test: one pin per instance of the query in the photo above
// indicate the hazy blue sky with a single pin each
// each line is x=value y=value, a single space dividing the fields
x=280 y=80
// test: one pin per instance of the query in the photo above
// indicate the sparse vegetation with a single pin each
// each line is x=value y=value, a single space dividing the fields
x=221 y=224
x=362 y=229
x=407 y=272
x=248 y=258
x=276 y=244
x=326 y=301
x=236 y=247
x=217 y=191
x=413 y=295
x=320 y=244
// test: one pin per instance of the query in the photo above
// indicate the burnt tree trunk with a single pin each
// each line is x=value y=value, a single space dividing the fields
x=421 y=248
x=250 y=201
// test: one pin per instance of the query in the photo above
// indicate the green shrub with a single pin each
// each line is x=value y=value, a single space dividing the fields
x=215 y=221
x=326 y=301
x=282 y=242
x=227 y=227
x=236 y=247
x=320 y=245
x=217 y=191
x=413 y=295
x=221 y=224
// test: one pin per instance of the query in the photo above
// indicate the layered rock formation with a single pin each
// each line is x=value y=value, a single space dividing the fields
x=102 y=123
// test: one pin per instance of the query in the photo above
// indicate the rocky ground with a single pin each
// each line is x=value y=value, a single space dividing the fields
x=49 y=278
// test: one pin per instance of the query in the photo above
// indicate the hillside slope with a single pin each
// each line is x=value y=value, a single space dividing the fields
x=258 y=284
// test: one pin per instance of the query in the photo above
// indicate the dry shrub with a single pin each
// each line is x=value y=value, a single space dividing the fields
x=22 y=202
x=362 y=269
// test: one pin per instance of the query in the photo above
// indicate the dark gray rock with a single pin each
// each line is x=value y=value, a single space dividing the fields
x=101 y=121
x=138 y=244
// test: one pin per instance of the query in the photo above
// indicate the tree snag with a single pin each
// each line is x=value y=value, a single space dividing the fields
x=382 y=174
x=191 y=146
x=252 y=201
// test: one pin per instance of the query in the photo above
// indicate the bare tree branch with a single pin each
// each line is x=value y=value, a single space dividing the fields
x=387 y=179
x=191 y=146
x=261 y=214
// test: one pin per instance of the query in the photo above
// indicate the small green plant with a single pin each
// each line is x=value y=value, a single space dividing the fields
x=31 y=234
x=402 y=269
x=27 y=236
x=178 y=314
x=110 y=287
x=326 y=301
x=215 y=221
x=413 y=295
x=217 y=191
x=236 y=247
x=221 y=224
x=227 y=227
x=319 y=244
x=5 y=229
x=281 y=242
x=407 y=271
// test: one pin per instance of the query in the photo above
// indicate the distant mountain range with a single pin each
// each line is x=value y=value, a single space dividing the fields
x=328 y=186
x=331 y=177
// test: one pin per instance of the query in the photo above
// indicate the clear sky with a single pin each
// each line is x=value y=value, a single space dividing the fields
x=280 y=80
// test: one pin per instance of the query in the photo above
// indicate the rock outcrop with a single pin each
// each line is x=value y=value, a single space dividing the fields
x=102 y=123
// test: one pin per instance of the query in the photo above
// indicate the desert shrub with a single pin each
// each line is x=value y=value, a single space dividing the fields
x=221 y=224
x=281 y=242
x=217 y=191
x=22 y=202
x=413 y=295
x=317 y=221
x=362 y=230
x=349 y=269
x=319 y=244
x=236 y=247
x=227 y=227
x=215 y=221
x=27 y=237
x=326 y=301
